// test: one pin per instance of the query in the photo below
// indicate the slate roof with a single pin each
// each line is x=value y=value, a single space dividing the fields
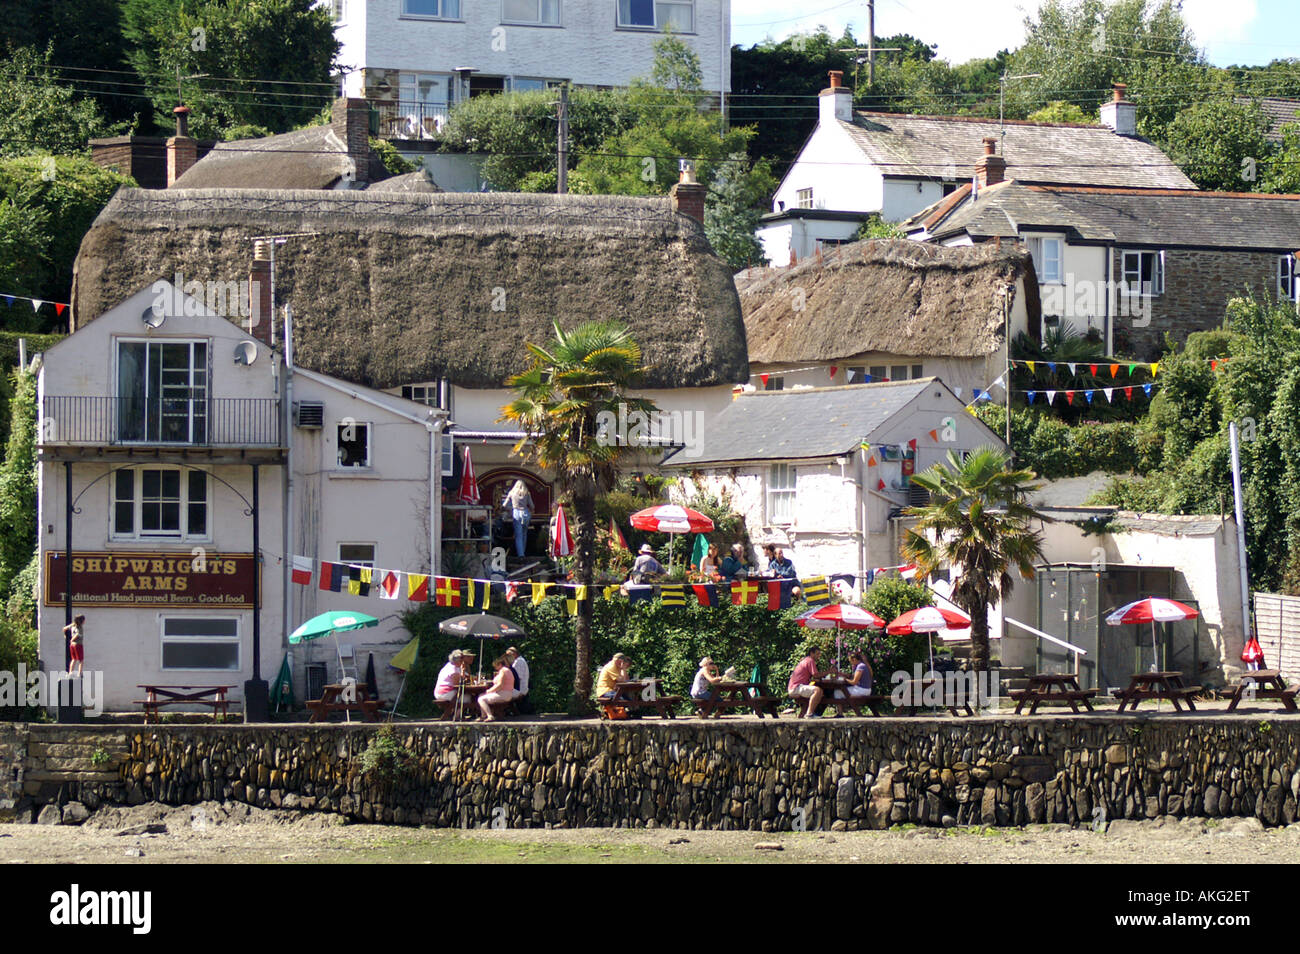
x=946 y=147
x=801 y=424
x=1280 y=112
x=1162 y=218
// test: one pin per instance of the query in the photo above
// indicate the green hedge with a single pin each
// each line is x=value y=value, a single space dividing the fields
x=1054 y=449
x=664 y=641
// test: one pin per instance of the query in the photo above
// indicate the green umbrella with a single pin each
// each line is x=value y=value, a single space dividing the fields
x=333 y=622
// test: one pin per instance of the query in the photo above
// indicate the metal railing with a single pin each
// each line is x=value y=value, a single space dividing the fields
x=411 y=120
x=193 y=422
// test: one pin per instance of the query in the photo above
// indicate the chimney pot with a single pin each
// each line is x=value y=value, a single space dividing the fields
x=990 y=145
x=182 y=114
x=1118 y=90
x=990 y=168
x=837 y=78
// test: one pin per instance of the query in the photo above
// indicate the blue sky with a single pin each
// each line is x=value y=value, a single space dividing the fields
x=1230 y=31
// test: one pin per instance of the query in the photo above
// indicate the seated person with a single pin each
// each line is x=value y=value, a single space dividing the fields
x=709 y=563
x=646 y=566
x=769 y=554
x=519 y=665
x=801 y=684
x=501 y=690
x=859 y=679
x=705 y=679
x=611 y=674
x=449 y=678
x=733 y=566
x=780 y=565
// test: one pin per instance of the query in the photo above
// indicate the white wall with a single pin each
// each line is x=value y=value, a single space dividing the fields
x=903 y=198
x=835 y=169
x=587 y=48
x=801 y=236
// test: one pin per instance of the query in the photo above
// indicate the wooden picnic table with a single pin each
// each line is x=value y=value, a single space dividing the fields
x=737 y=695
x=1052 y=687
x=914 y=694
x=1264 y=684
x=467 y=696
x=628 y=694
x=156 y=697
x=832 y=684
x=333 y=699
x=1157 y=685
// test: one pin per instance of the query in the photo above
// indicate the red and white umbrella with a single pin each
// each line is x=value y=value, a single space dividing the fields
x=1151 y=610
x=562 y=541
x=672 y=519
x=928 y=619
x=840 y=616
x=468 y=493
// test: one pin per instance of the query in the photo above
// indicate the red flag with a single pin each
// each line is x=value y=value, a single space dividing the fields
x=302 y=570
x=880 y=485
x=834 y=368
x=447 y=592
x=1093 y=369
x=417 y=587
x=763 y=378
x=616 y=539
x=59 y=308
x=744 y=591
x=468 y=493
x=1214 y=365
x=934 y=434
x=912 y=444
x=1069 y=397
x=1128 y=393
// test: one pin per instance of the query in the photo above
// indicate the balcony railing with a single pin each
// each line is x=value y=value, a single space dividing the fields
x=186 y=422
x=410 y=120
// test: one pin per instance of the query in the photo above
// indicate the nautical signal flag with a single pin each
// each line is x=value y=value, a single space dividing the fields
x=479 y=593
x=639 y=592
x=359 y=580
x=706 y=594
x=672 y=594
x=816 y=590
x=539 y=592
x=743 y=592
x=779 y=593
x=446 y=591
x=390 y=585
x=417 y=587
x=575 y=594
x=616 y=540
x=302 y=570
x=332 y=576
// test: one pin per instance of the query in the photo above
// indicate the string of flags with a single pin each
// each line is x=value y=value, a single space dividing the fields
x=59 y=306
x=1088 y=393
x=1096 y=369
x=450 y=591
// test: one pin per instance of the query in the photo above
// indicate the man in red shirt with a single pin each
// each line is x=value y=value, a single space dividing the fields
x=801 y=682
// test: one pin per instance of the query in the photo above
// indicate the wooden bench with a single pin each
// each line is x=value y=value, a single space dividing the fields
x=156 y=697
x=1035 y=698
x=332 y=701
x=856 y=703
x=729 y=695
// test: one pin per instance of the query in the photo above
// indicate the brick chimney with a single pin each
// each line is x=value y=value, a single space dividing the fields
x=350 y=120
x=259 y=295
x=835 y=103
x=182 y=151
x=1119 y=114
x=688 y=195
x=990 y=168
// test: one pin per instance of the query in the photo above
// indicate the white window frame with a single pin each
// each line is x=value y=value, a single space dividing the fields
x=659 y=22
x=1288 y=288
x=204 y=398
x=1038 y=246
x=369 y=461
x=538 y=21
x=782 y=494
x=137 y=505
x=803 y=198
x=374 y=552
x=448 y=467
x=236 y=640
x=1158 y=273
x=443 y=15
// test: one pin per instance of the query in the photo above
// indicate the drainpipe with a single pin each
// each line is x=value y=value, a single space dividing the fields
x=864 y=505
x=435 y=429
x=1110 y=291
x=287 y=487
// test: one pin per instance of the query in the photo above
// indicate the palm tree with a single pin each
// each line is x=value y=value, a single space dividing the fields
x=565 y=402
x=977 y=521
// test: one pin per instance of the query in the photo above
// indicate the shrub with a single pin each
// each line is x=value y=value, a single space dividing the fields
x=384 y=760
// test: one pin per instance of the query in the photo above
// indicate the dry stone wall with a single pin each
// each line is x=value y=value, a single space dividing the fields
x=832 y=774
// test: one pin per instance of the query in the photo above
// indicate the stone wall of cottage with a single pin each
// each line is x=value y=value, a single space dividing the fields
x=841 y=774
x=1198 y=285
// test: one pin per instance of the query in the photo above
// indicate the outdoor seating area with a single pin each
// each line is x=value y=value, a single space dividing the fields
x=160 y=697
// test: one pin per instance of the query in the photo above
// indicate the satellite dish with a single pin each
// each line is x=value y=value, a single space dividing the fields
x=153 y=316
x=245 y=352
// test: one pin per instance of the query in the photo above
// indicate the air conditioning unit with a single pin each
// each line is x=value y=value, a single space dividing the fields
x=309 y=414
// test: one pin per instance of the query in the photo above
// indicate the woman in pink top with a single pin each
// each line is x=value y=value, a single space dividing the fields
x=501 y=690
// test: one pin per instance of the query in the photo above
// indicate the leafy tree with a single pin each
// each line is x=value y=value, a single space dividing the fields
x=737 y=200
x=1059 y=111
x=18 y=484
x=978 y=522
x=1282 y=172
x=559 y=400
x=267 y=64
x=47 y=204
x=393 y=160
x=41 y=113
x=875 y=227
x=1221 y=144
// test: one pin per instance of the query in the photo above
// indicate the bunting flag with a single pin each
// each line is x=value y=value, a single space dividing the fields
x=1051 y=396
x=673 y=594
x=706 y=594
x=1110 y=395
x=611 y=591
x=1092 y=369
x=359 y=580
x=478 y=593
x=909 y=571
x=934 y=434
x=1030 y=395
x=1051 y=366
x=332 y=576
x=957 y=391
x=1114 y=370
x=616 y=540
x=1072 y=366
x=871 y=460
x=779 y=593
x=834 y=368
x=578 y=594
x=302 y=570
x=390 y=585
x=912 y=444
x=639 y=593
x=1130 y=369
x=512 y=591
x=446 y=591
x=850 y=374
x=36 y=304
x=539 y=592
x=763 y=378
x=59 y=308
x=744 y=592
x=816 y=590
x=417 y=587
x=880 y=485
x=978 y=394
x=1128 y=393
x=1214 y=365
x=9 y=300
x=1030 y=366
x=843 y=579
x=1147 y=389
x=1069 y=397
x=1088 y=395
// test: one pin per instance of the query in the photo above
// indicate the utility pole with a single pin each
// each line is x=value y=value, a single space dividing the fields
x=562 y=159
x=871 y=43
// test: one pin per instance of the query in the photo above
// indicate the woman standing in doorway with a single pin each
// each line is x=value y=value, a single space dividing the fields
x=520 y=504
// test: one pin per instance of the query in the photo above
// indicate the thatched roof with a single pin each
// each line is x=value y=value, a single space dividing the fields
x=310 y=158
x=399 y=288
x=895 y=296
x=418 y=181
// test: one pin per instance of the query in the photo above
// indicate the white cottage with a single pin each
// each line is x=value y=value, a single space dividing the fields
x=825 y=472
